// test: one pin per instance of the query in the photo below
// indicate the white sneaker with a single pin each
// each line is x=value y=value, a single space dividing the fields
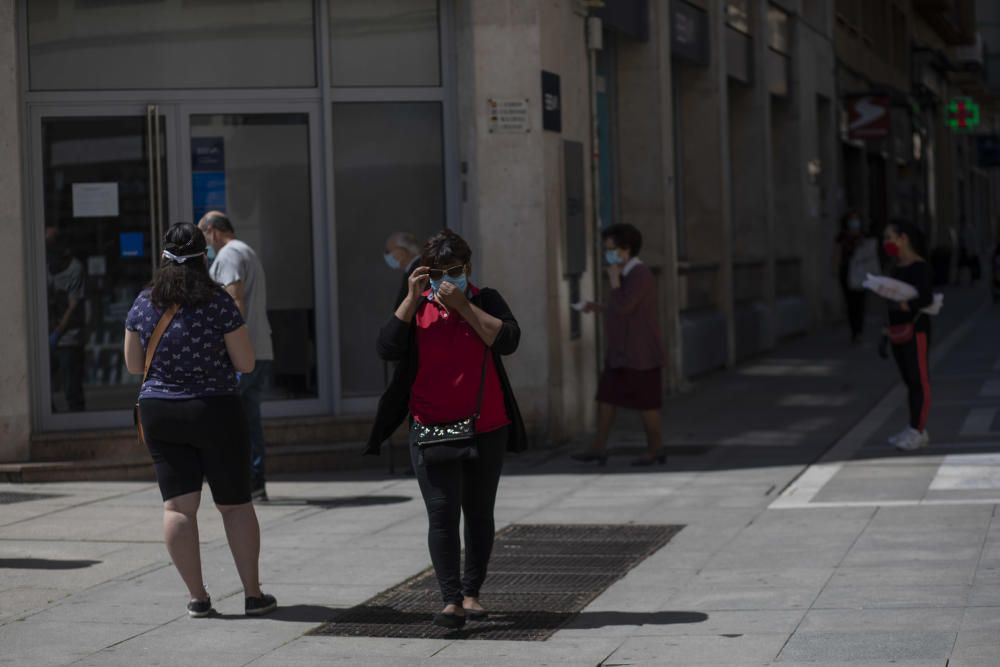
x=894 y=439
x=913 y=440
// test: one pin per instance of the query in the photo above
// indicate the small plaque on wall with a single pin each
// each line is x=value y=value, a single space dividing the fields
x=551 y=102
x=508 y=116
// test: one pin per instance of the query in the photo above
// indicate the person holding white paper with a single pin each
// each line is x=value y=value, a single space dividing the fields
x=909 y=329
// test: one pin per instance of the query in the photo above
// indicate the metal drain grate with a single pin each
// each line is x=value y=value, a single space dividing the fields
x=11 y=497
x=541 y=576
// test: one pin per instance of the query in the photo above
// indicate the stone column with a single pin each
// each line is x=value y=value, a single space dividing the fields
x=514 y=204
x=646 y=170
x=705 y=159
x=15 y=407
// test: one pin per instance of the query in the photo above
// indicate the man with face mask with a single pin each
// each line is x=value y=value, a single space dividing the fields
x=237 y=268
x=402 y=253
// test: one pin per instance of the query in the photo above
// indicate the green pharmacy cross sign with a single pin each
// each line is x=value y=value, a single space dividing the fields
x=962 y=114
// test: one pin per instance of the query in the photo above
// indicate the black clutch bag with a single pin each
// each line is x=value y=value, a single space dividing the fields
x=451 y=441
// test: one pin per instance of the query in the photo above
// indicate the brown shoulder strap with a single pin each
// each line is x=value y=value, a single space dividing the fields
x=154 y=340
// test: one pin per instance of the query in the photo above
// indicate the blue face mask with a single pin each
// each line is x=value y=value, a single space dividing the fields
x=210 y=252
x=392 y=262
x=611 y=257
x=462 y=283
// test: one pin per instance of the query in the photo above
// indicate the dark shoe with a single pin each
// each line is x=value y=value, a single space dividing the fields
x=450 y=621
x=647 y=460
x=265 y=604
x=590 y=455
x=477 y=614
x=259 y=491
x=200 y=608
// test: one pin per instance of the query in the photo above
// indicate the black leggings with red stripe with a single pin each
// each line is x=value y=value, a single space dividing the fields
x=912 y=360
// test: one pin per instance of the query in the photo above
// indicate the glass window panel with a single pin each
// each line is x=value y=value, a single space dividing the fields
x=778 y=37
x=116 y=44
x=738 y=15
x=384 y=43
x=98 y=246
x=388 y=176
x=261 y=180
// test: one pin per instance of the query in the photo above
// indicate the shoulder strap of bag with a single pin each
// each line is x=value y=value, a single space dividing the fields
x=482 y=383
x=154 y=339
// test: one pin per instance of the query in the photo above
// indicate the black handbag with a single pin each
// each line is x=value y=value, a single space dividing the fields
x=451 y=441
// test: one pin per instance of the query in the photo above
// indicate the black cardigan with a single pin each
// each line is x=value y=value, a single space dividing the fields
x=397 y=342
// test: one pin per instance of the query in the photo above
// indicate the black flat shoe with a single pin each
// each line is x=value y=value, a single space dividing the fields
x=660 y=458
x=200 y=608
x=587 y=457
x=476 y=614
x=450 y=621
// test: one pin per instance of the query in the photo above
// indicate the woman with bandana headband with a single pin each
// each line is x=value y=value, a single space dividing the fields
x=910 y=329
x=448 y=336
x=191 y=414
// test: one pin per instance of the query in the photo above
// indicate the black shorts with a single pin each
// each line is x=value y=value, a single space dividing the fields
x=195 y=439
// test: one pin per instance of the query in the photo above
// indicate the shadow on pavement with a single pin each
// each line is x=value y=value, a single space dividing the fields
x=44 y=564
x=333 y=503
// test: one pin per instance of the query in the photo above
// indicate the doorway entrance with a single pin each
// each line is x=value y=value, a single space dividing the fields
x=107 y=182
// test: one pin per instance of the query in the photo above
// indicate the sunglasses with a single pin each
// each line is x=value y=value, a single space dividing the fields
x=452 y=272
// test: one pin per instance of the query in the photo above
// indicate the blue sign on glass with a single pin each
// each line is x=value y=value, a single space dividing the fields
x=208 y=175
x=208 y=154
x=132 y=244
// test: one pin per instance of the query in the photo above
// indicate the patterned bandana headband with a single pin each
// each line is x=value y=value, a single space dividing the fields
x=180 y=259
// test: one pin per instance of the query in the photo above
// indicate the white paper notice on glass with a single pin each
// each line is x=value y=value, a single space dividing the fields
x=95 y=200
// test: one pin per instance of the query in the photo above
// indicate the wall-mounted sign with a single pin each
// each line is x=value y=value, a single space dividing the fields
x=988 y=150
x=962 y=113
x=551 y=102
x=689 y=32
x=510 y=116
x=868 y=117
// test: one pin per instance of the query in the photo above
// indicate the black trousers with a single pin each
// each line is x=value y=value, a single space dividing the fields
x=456 y=488
x=912 y=359
x=855 y=300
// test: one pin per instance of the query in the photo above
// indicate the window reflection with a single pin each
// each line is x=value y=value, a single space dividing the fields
x=101 y=45
x=384 y=43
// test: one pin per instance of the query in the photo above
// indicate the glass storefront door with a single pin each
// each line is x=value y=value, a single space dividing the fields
x=109 y=181
x=259 y=164
x=102 y=198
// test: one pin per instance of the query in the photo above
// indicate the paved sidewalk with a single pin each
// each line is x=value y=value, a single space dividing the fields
x=780 y=561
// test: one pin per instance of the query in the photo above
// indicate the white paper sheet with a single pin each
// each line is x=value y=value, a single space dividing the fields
x=95 y=200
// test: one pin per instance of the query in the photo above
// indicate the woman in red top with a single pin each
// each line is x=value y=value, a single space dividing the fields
x=448 y=336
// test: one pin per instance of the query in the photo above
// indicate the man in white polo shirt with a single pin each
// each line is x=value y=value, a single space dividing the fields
x=238 y=269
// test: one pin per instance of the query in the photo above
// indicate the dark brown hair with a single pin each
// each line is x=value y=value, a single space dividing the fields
x=188 y=283
x=624 y=236
x=445 y=249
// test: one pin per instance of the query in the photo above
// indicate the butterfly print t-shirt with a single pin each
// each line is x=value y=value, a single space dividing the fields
x=191 y=360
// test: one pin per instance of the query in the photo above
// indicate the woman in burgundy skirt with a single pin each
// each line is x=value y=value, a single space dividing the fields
x=634 y=355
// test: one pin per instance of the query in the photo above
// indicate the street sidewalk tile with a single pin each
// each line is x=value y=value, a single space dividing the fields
x=58 y=643
x=884 y=621
x=557 y=650
x=892 y=597
x=977 y=647
x=885 y=647
x=716 y=650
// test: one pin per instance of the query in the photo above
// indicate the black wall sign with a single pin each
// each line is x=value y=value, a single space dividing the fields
x=551 y=102
x=689 y=32
x=989 y=150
